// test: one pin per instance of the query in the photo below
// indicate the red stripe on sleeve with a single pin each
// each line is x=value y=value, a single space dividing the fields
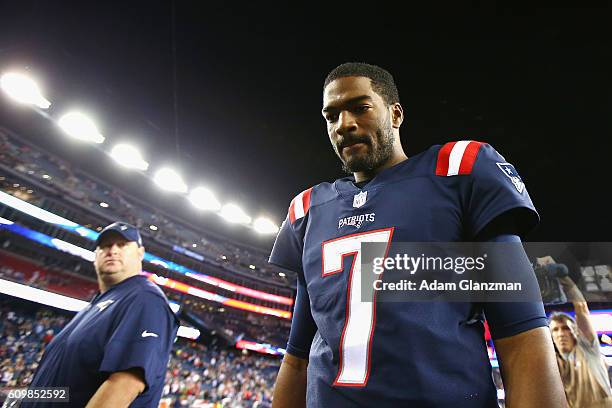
x=292 y=211
x=306 y=200
x=443 y=156
x=469 y=157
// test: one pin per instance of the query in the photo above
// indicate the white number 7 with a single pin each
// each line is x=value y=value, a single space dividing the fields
x=356 y=340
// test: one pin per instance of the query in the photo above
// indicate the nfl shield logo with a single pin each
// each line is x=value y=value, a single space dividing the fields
x=360 y=199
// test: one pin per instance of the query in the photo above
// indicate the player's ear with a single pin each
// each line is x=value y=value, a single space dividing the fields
x=141 y=252
x=397 y=115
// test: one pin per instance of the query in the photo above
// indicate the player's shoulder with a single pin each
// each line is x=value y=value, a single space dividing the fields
x=463 y=157
x=302 y=203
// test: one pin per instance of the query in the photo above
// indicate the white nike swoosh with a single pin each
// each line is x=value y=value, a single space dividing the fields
x=148 y=334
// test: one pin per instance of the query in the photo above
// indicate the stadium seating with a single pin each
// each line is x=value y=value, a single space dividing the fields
x=49 y=170
x=197 y=374
x=25 y=271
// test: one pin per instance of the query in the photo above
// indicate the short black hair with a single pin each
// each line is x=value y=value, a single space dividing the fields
x=382 y=81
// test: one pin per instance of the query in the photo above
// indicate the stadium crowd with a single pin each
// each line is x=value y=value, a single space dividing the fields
x=197 y=372
x=197 y=375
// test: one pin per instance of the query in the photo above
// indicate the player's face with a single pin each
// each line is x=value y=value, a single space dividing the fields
x=117 y=259
x=358 y=124
x=562 y=336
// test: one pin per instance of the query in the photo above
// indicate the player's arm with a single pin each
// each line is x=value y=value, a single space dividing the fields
x=522 y=341
x=290 y=387
x=529 y=370
x=119 y=390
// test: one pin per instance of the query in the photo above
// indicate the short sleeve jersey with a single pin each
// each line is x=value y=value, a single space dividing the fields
x=424 y=354
x=129 y=326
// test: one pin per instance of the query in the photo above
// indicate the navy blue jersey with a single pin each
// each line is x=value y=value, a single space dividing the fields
x=130 y=325
x=421 y=354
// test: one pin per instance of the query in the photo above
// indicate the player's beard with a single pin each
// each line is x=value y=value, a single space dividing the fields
x=381 y=151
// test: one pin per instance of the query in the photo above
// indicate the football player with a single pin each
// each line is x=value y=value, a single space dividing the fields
x=344 y=352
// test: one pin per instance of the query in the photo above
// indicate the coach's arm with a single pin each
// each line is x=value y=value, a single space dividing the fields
x=119 y=390
x=290 y=387
x=529 y=370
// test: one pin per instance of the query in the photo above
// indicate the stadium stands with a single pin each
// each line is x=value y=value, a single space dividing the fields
x=198 y=374
x=21 y=270
x=21 y=158
x=38 y=178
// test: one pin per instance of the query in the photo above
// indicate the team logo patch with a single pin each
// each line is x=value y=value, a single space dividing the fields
x=360 y=199
x=512 y=174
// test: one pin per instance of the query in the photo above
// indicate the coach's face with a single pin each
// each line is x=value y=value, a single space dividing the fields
x=562 y=336
x=117 y=258
x=360 y=124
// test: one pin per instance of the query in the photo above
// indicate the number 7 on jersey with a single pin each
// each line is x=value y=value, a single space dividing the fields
x=358 y=331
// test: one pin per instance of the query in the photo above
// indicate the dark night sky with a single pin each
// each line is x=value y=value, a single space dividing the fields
x=532 y=82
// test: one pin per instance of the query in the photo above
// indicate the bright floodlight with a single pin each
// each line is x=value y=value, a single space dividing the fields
x=80 y=127
x=233 y=213
x=204 y=199
x=265 y=226
x=170 y=180
x=23 y=89
x=129 y=157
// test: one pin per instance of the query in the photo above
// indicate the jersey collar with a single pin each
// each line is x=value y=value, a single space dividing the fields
x=123 y=284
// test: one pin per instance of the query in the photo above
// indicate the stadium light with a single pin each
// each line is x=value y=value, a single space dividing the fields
x=170 y=180
x=234 y=214
x=80 y=127
x=128 y=156
x=23 y=89
x=204 y=199
x=265 y=226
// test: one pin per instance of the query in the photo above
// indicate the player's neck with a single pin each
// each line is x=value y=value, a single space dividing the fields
x=397 y=158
